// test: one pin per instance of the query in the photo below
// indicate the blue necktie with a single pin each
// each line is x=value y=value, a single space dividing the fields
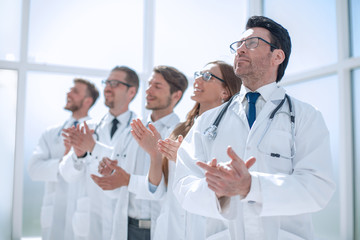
x=252 y=97
x=76 y=123
x=114 y=127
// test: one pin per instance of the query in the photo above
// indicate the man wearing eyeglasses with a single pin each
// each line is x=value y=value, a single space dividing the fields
x=94 y=209
x=134 y=218
x=279 y=150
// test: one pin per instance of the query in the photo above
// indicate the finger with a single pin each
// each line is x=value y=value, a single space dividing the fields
x=250 y=162
x=112 y=164
x=209 y=169
x=180 y=138
x=213 y=163
x=87 y=130
x=154 y=131
x=236 y=162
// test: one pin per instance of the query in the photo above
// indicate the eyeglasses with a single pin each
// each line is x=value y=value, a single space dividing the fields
x=114 y=83
x=250 y=43
x=206 y=76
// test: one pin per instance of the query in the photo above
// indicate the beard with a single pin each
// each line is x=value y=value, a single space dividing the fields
x=159 y=105
x=74 y=107
x=109 y=104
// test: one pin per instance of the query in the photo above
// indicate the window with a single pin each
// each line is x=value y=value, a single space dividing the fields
x=8 y=93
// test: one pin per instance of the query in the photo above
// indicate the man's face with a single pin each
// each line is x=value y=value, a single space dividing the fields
x=76 y=97
x=158 y=95
x=253 y=62
x=116 y=96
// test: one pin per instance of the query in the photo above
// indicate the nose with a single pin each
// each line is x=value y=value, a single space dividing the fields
x=148 y=90
x=198 y=80
x=241 y=49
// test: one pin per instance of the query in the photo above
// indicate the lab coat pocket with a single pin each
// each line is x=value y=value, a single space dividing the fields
x=81 y=218
x=278 y=144
x=223 y=235
x=285 y=235
x=46 y=216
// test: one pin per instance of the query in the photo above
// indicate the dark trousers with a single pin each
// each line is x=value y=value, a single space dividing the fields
x=136 y=233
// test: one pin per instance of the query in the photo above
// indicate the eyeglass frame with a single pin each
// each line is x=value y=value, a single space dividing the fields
x=232 y=50
x=199 y=73
x=107 y=81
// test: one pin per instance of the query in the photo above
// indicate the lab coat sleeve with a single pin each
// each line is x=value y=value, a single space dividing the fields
x=100 y=151
x=310 y=187
x=139 y=185
x=190 y=186
x=71 y=167
x=42 y=166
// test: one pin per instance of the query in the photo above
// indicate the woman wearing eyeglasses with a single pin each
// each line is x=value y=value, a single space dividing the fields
x=214 y=85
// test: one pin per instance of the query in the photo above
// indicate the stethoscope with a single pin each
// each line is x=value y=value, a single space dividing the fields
x=211 y=132
x=102 y=120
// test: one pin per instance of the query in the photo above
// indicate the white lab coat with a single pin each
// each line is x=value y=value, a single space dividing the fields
x=283 y=193
x=129 y=156
x=93 y=218
x=174 y=222
x=44 y=166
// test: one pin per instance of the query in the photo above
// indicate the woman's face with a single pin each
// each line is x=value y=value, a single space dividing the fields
x=209 y=92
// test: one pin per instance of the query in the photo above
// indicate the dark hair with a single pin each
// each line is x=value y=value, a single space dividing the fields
x=232 y=83
x=176 y=79
x=131 y=76
x=91 y=90
x=279 y=36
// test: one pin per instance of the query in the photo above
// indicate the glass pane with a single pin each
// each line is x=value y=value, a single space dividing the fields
x=8 y=93
x=327 y=221
x=87 y=33
x=356 y=121
x=43 y=109
x=355 y=27
x=10 y=20
x=189 y=34
x=312 y=28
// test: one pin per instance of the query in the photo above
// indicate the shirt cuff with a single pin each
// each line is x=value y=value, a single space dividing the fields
x=254 y=195
x=152 y=187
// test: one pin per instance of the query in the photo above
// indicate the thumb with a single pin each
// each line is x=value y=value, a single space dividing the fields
x=250 y=162
x=180 y=138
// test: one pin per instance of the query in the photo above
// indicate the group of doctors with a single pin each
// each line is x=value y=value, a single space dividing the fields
x=249 y=162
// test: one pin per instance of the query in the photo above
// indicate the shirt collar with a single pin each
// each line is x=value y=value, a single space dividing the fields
x=122 y=118
x=168 y=121
x=265 y=91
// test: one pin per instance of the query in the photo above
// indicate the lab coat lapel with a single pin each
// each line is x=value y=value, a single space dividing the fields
x=238 y=108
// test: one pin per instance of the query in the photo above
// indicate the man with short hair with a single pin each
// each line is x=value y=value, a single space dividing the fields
x=285 y=142
x=135 y=219
x=44 y=163
x=94 y=209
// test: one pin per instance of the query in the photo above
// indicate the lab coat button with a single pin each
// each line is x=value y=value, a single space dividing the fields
x=251 y=202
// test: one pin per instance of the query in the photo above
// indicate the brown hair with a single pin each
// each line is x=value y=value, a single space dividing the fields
x=232 y=83
x=176 y=79
x=131 y=76
x=91 y=90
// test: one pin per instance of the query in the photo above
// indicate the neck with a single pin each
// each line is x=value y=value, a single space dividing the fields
x=79 y=114
x=116 y=112
x=204 y=107
x=157 y=114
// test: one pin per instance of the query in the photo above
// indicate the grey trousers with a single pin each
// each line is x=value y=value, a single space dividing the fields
x=136 y=233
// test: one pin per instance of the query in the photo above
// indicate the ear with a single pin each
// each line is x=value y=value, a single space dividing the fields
x=88 y=101
x=176 y=96
x=278 y=56
x=131 y=92
x=225 y=94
